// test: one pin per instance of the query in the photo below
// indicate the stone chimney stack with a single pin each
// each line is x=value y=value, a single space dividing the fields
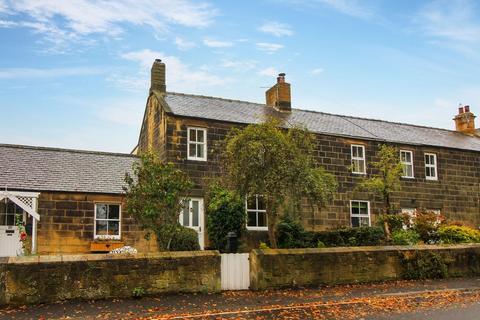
x=465 y=120
x=157 y=82
x=279 y=96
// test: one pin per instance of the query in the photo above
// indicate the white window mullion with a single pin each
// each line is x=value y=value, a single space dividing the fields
x=196 y=146
x=406 y=159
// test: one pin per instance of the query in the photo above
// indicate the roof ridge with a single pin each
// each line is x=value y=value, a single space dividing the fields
x=378 y=120
x=213 y=97
x=56 y=149
x=318 y=112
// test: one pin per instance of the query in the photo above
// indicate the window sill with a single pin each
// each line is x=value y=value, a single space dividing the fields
x=360 y=173
x=431 y=179
x=257 y=228
x=408 y=178
x=197 y=159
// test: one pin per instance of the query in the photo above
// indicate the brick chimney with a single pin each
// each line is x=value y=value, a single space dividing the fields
x=157 y=82
x=465 y=120
x=278 y=96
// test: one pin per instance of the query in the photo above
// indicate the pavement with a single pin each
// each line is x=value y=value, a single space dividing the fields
x=430 y=299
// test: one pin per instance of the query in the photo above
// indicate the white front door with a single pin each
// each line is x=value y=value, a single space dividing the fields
x=10 y=244
x=192 y=216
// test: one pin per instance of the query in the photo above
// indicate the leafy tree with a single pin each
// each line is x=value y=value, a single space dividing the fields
x=226 y=213
x=154 y=194
x=277 y=163
x=386 y=180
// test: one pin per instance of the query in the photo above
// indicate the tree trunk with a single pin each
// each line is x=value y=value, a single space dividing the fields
x=386 y=226
x=272 y=224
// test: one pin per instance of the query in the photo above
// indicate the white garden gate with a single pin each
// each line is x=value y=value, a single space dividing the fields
x=235 y=271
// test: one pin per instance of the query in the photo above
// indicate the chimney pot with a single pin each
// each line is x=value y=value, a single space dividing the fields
x=465 y=120
x=158 y=82
x=278 y=96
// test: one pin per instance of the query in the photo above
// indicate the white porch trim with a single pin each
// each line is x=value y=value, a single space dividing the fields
x=29 y=205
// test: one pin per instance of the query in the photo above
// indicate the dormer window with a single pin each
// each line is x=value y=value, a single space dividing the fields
x=197 y=144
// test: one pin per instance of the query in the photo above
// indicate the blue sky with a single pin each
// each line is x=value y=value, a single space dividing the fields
x=75 y=73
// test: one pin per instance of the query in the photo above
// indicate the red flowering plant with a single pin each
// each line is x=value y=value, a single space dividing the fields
x=21 y=229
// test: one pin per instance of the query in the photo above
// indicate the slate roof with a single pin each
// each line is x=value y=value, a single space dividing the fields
x=338 y=125
x=51 y=169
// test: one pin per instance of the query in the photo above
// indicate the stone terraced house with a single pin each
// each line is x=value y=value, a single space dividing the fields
x=71 y=200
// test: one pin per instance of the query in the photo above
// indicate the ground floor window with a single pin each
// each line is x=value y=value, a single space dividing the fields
x=360 y=213
x=256 y=213
x=107 y=221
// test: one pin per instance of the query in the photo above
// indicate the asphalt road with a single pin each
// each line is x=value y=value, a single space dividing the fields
x=454 y=299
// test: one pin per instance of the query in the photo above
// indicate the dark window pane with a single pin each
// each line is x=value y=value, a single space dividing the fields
x=355 y=222
x=10 y=219
x=193 y=150
x=186 y=215
x=101 y=228
x=195 y=210
x=113 y=211
x=200 y=135
x=364 y=222
x=261 y=203
x=262 y=219
x=101 y=211
x=252 y=203
x=363 y=207
x=200 y=152
x=355 y=208
x=193 y=135
x=113 y=228
x=252 y=219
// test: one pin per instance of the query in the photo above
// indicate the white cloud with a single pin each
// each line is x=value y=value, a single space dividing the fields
x=183 y=44
x=7 y=23
x=32 y=73
x=239 y=65
x=349 y=7
x=268 y=47
x=217 y=43
x=79 y=18
x=317 y=71
x=276 y=28
x=450 y=22
x=268 y=72
x=180 y=76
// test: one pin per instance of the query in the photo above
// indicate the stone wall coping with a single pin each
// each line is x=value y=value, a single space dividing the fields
x=107 y=256
x=362 y=249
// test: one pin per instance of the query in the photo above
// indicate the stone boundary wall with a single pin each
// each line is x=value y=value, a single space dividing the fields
x=39 y=279
x=310 y=267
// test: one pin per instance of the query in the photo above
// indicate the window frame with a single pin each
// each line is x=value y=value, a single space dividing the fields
x=435 y=166
x=107 y=237
x=369 y=216
x=407 y=163
x=256 y=210
x=204 y=130
x=364 y=158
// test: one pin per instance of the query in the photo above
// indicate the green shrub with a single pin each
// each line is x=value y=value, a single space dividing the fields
x=405 y=237
x=290 y=233
x=426 y=224
x=458 y=234
x=138 y=292
x=184 y=239
x=362 y=236
x=263 y=246
x=423 y=265
x=395 y=221
x=226 y=213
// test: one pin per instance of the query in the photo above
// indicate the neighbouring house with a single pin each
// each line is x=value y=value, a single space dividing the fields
x=71 y=201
